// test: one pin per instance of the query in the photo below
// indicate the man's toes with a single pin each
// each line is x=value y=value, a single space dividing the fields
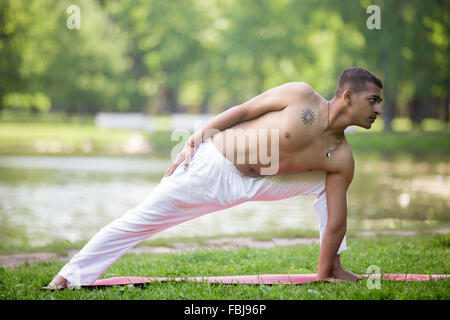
x=332 y=280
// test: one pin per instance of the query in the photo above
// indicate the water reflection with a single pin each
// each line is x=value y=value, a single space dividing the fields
x=47 y=198
x=403 y=193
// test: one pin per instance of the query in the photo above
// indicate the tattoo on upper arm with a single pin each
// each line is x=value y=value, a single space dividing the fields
x=308 y=118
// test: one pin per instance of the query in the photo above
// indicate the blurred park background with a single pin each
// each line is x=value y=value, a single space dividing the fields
x=87 y=114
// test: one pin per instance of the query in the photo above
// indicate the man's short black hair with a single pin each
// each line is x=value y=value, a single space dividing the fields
x=356 y=79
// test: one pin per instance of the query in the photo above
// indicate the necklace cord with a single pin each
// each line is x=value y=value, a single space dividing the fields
x=328 y=153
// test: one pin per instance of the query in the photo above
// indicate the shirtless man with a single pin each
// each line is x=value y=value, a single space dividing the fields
x=309 y=138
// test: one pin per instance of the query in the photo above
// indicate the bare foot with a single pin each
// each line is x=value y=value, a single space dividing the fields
x=340 y=275
x=331 y=280
x=344 y=275
x=58 y=282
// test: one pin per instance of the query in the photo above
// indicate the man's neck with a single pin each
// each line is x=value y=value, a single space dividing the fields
x=338 y=118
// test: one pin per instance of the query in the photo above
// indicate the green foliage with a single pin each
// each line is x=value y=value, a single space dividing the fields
x=38 y=101
x=205 y=56
x=44 y=62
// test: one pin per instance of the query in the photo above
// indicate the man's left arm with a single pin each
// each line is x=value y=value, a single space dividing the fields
x=336 y=185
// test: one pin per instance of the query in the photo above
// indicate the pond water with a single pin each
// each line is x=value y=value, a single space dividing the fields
x=46 y=198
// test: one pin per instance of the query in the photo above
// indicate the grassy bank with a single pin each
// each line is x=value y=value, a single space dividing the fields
x=61 y=247
x=414 y=142
x=425 y=254
x=85 y=139
x=60 y=138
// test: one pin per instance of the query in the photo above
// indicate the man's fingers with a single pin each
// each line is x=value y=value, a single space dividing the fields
x=172 y=168
x=187 y=157
x=175 y=166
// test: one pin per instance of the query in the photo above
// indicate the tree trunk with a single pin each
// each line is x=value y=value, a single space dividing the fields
x=447 y=107
x=416 y=112
x=168 y=101
x=204 y=106
x=389 y=102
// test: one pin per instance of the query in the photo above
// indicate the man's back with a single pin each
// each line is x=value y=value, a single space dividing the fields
x=291 y=139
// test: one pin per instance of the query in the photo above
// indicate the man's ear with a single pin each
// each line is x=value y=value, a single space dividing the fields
x=348 y=96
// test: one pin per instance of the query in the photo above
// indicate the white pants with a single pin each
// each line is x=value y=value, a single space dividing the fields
x=211 y=183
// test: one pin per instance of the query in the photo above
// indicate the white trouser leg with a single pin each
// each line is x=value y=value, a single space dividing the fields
x=209 y=185
x=159 y=211
x=302 y=183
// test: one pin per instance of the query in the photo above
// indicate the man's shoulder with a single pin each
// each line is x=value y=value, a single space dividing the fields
x=301 y=88
x=343 y=161
x=348 y=153
x=347 y=161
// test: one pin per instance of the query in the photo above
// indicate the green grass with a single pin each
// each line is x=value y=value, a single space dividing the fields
x=425 y=254
x=61 y=247
x=24 y=116
x=60 y=138
x=426 y=143
x=411 y=141
x=74 y=137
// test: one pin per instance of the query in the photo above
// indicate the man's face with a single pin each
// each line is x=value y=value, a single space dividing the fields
x=366 y=106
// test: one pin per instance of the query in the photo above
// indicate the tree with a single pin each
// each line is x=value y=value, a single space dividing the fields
x=77 y=70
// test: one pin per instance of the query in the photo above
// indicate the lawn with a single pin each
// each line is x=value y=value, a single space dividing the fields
x=86 y=138
x=60 y=138
x=424 y=254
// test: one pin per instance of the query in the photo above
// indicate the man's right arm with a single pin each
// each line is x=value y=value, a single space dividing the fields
x=274 y=99
x=336 y=185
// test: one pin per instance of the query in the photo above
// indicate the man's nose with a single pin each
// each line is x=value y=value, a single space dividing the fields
x=377 y=109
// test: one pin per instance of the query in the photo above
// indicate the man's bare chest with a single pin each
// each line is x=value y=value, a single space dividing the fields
x=296 y=127
x=292 y=136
